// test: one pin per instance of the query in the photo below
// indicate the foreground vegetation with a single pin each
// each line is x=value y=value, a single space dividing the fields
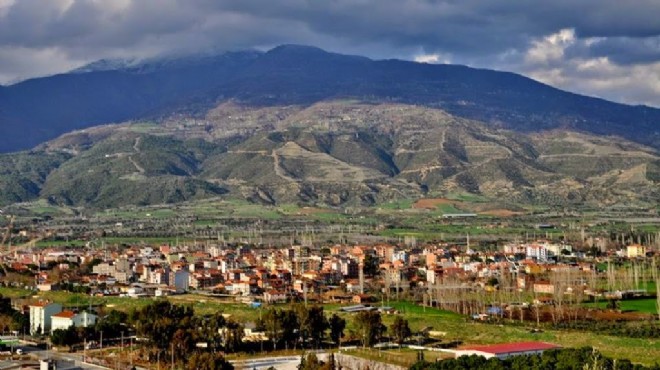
x=451 y=326
x=571 y=358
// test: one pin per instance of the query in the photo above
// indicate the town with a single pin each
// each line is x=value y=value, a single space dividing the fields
x=81 y=298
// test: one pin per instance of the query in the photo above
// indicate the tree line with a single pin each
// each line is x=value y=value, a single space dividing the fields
x=585 y=358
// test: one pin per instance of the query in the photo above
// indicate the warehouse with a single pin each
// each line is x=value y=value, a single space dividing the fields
x=506 y=350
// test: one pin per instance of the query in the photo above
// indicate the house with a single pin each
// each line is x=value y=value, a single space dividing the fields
x=40 y=316
x=363 y=298
x=635 y=250
x=273 y=296
x=544 y=287
x=62 y=320
x=67 y=319
x=505 y=350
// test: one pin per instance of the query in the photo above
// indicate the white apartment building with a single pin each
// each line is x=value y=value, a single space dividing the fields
x=40 y=316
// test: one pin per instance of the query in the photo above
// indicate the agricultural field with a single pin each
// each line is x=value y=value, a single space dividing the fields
x=636 y=305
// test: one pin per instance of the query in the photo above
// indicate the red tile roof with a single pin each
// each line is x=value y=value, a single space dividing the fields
x=65 y=314
x=498 y=349
x=40 y=304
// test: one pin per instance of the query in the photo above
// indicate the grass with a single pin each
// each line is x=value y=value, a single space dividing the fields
x=14 y=292
x=288 y=209
x=257 y=211
x=639 y=305
x=397 y=204
x=457 y=327
x=446 y=208
x=143 y=127
x=467 y=197
x=60 y=243
x=401 y=357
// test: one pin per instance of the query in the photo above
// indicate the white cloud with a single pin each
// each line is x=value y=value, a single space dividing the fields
x=547 y=60
x=20 y=63
x=5 y=5
x=551 y=47
x=432 y=58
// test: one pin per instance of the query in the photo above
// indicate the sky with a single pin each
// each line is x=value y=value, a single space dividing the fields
x=603 y=48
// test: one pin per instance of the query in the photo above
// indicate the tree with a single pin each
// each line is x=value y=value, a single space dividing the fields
x=272 y=325
x=182 y=342
x=370 y=327
x=400 y=330
x=312 y=323
x=209 y=329
x=289 y=324
x=207 y=361
x=310 y=362
x=112 y=324
x=65 y=337
x=337 y=326
x=331 y=365
x=160 y=320
x=280 y=325
x=234 y=334
x=656 y=279
x=370 y=265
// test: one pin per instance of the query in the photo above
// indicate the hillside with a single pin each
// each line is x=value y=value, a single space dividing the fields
x=334 y=153
x=37 y=110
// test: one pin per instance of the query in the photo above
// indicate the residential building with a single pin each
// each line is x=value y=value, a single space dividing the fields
x=537 y=252
x=180 y=280
x=40 y=316
x=635 y=250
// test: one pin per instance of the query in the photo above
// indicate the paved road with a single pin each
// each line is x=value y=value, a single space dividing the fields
x=280 y=363
x=43 y=354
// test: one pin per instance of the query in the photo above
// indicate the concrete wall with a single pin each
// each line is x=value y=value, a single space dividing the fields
x=348 y=362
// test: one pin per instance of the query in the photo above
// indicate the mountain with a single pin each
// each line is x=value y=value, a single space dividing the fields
x=41 y=109
x=37 y=110
x=334 y=152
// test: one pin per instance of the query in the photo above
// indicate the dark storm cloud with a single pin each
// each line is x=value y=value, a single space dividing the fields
x=40 y=37
x=621 y=50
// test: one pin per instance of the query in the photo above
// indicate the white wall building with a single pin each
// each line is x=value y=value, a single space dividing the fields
x=66 y=319
x=40 y=316
x=503 y=351
x=537 y=251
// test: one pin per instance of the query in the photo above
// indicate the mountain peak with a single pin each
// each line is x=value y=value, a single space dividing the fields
x=295 y=48
x=109 y=64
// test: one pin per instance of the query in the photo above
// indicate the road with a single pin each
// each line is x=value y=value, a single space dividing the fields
x=280 y=363
x=43 y=354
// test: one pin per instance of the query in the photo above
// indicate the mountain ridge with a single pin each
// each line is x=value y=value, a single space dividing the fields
x=48 y=107
x=336 y=153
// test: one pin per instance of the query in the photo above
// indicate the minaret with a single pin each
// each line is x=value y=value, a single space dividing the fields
x=361 y=272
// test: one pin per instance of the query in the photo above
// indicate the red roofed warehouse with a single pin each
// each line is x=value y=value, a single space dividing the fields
x=506 y=350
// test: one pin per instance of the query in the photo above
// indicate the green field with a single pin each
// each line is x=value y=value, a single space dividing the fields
x=639 y=305
x=457 y=327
